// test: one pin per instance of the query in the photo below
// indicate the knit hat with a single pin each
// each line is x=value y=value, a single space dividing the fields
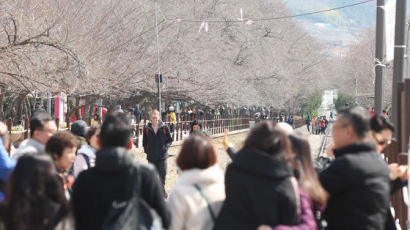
x=285 y=127
x=79 y=128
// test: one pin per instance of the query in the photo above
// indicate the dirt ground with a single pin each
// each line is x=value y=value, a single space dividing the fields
x=223 y=158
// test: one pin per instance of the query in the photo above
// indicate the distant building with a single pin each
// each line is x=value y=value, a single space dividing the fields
x=328 y=99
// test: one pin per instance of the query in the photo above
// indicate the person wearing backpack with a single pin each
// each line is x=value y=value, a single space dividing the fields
x=116 y=182
x=156 y=142
x=199 y=192
x=85 y=158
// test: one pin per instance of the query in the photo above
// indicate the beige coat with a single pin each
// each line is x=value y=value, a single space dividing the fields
x=188 y=207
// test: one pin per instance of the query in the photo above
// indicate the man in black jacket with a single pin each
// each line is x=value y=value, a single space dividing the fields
x=97 y=189
x=358 y=179
x=156 y=142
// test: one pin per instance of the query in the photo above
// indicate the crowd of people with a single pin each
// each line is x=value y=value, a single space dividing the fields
x=87 y=178
x=317 y=125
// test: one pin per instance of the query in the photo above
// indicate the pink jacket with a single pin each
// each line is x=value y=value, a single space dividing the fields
x=307 y=218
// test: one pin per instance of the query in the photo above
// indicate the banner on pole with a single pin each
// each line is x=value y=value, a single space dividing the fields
x=390 y=12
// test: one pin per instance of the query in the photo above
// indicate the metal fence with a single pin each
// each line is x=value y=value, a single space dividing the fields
x=180 y=129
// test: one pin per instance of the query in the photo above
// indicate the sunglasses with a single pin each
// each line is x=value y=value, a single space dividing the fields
x=381 y=142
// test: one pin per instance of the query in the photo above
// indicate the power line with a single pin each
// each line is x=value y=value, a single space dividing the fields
x=273 y=18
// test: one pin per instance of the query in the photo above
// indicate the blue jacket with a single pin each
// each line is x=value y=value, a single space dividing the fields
x=6 y=166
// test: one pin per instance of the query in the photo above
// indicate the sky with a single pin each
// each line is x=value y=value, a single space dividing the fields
x=337 y=28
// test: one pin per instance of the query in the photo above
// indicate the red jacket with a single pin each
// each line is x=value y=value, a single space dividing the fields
x=322 y=123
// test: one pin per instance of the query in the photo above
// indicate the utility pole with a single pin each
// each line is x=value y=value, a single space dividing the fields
x=49 y=104
x=379 y=61
x=408 y=51
x=158 y=76
x=399 y=48
x=355 y=86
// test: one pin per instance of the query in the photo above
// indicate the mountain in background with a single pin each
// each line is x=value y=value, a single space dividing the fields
x=336 y=28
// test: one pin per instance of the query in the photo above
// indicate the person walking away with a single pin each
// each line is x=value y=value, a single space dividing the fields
x=308 y=124
x=85 y=158
x=34 y=197
x=357 y=181
x=199 y=192
x=258 y=187
x=114 y=179
x=62 y=147
x=42 y=127
x=156 y=142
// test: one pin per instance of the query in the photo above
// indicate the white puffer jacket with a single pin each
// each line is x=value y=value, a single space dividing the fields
x=188 y=207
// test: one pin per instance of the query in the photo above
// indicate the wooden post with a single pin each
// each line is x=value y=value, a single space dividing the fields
x=407 y=113
x=137 y=133
x=399 y=128
x=9 y=126
x=58 y=123
x=392 y=154
x=26 y=127
x=175 y=130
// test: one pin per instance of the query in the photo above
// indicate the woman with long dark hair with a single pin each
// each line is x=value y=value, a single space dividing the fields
x=304 y=170
x=258 y=183
x=312 y=195
x=34 y=198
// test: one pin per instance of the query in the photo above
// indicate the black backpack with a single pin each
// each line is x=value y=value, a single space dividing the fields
x=133 y=213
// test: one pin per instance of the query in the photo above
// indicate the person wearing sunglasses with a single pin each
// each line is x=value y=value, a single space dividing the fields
x=381 y=132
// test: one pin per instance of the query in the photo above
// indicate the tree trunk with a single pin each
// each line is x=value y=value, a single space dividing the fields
x=87 y=105
x=19 y=107
x=1 y=105
x=77 y=108
x=25 y=108
x=28 y=107
x=9 y=111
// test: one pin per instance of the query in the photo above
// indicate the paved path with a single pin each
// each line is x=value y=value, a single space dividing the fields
x=315 y=141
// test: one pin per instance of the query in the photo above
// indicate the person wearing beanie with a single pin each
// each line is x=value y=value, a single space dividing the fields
x=79 y=129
